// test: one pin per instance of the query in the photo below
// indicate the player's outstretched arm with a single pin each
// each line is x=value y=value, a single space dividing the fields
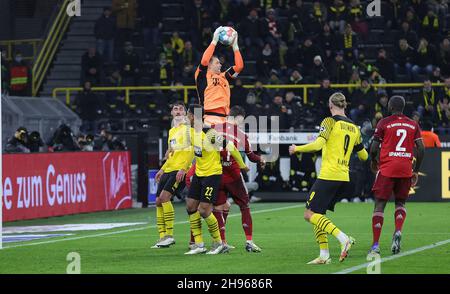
x=315 y=146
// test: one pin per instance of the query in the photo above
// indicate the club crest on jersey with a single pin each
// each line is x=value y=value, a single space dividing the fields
x=322 y=129
x=198 y=151
x=173 y=142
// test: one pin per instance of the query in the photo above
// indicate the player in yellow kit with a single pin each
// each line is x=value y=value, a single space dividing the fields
x=338 y=138
x=205 y=183
x=179 y=158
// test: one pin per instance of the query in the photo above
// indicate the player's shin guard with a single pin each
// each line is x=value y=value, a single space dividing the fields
x=213 y=227
x=169 y=217
x=247 y=223
x=196 y=227
x=400 y=216
x=377 y=225
x=160 y=223
x=324 y=224
x=219 y=216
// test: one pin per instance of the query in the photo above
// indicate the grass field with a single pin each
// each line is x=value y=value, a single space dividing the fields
x=279 y=229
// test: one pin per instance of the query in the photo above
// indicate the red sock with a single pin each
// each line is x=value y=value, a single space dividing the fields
x=219 y=216
x=400 y=216
x=225 y=215
x=247 y=224
x=377 y=224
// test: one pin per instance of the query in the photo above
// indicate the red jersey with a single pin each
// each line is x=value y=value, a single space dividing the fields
x=397 y=134
x=232 y=133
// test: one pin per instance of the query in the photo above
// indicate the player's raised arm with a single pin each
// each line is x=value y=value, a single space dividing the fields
x=238 y=61
x=210 y=50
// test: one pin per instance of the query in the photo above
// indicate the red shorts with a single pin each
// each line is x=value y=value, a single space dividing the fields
x=237 y=190
x=384 y=187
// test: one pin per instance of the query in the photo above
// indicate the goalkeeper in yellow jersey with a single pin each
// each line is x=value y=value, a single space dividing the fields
x=180 y=154
x=338 y=138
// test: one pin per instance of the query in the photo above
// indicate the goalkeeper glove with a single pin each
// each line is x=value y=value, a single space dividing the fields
x=235 y=44
x=216 y=36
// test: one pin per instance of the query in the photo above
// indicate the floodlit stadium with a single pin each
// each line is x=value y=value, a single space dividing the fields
x=284 y=137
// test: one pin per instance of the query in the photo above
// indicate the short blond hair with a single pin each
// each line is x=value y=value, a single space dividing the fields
x=338 y=100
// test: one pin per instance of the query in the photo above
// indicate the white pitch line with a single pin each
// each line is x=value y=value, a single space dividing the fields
x=140 y=229
x=384 y=259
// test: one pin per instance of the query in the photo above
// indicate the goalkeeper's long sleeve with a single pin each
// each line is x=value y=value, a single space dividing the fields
x=208 y=54
x=238 y=61
x=312 y=147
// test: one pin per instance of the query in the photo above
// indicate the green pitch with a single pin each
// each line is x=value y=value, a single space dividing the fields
x=279 y=229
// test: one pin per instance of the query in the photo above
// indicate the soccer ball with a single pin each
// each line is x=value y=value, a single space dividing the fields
x=227 y=36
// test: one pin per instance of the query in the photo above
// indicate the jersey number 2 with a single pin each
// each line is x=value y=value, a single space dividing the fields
x=402 y=134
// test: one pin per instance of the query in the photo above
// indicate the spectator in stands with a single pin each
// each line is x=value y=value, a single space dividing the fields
x=267 y=60
x=125 y=12
x=163 y=71
x=394 y=12
x=327 y=42
x=317 y=17
x=443 y=56
x=105 y=30
x=318 y=72
x=426 y=101
x=355 y=79
x=177 y=43
x=294 y=31
x=251 y=28
x=431 y=26
x=430 y=139
x=296 y=79
x=63 y=140
x=252 y=105
x=349 y=43
x=238 y=94
x=306 y=55
x=339 y=69
x=337 y=15
x=19 y=142
x=271 y=28
x=130 y=65
x=189 y=59
x=88 y=106
x=362 y=102
x=382 y=105
x=356 y=18
x=86 y=142
x=5 y=72
x=321 y=96
x=198 y=18
x=151 y=15
x=363 y=67
x=407 y=33
x=425 y=58
x=262 y=97
x=404 y=58
x=278 y=109
x=413 y=20
x=442 y=112
x=108 y=142
x=385 y=66
x=35 y=142
x=436 y=76
x=19 y=77
x=293 y=105
x=91 y=67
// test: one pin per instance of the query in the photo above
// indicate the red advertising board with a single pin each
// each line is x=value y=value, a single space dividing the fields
x=52 y=184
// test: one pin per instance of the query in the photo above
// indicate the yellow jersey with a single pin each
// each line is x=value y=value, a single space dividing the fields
x=180 y=149
x=207 y=146
x=342 y=138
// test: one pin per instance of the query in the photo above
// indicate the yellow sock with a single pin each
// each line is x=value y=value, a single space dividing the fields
x=321 y=238
x=324 y=224
x=160 y=222
x=213 y=227
x=169 y=217
x=196 y=227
